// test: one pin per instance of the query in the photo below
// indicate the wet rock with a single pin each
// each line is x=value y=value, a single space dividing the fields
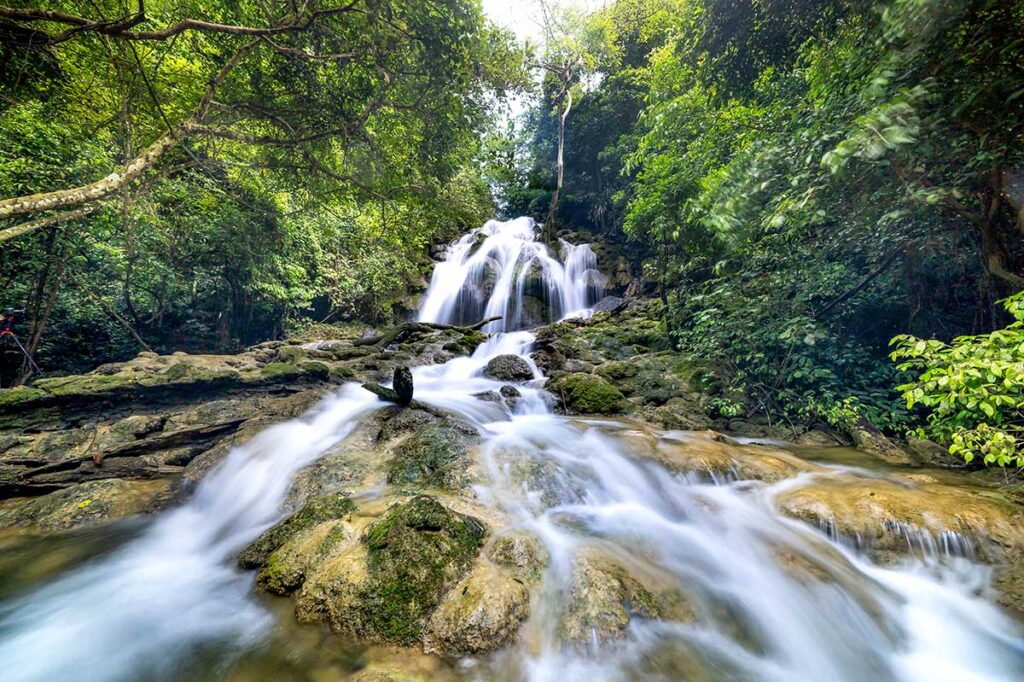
x=481 y=613
x=402 y=384
x=87 y=504
x=488 y=396
x=884 y=515
x=510 y=391
x=286 y=568
x=520 y=552
x=608 y=304
x=603 y=601
x=714 y=456
x=586 y=394
x=508 y=368
x=435 y=456
x=316 y=512
x=385 y=586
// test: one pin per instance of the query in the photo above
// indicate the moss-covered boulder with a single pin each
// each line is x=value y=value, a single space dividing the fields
x=434 y=456
x=314 y=513
x=586 y=394
x=385 y=586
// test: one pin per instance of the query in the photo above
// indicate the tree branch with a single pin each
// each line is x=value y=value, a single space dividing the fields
x=121 y=28
x=48 y=221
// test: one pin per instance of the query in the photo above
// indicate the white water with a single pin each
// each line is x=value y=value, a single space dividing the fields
x=492 y=270
x=159 y=600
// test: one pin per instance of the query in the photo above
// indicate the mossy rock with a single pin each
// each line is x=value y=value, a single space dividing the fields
x=587 y=394
x=287 y=566
x=603 y=600
x=435 y=456
x=415 y=553
x=315 y=512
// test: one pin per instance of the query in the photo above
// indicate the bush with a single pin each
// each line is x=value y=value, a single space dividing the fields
x=973 y=389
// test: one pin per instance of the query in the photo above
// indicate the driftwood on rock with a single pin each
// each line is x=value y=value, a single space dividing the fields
x=409 y=329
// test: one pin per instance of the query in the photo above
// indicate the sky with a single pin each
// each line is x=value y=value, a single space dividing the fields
x=523 y=16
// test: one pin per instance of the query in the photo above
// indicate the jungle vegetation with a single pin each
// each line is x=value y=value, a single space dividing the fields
x=805 y=181
x=800 y=181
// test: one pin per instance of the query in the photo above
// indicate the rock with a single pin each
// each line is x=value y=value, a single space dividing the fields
x=931 y=453
x=603 y=600
x=385 y=587
x=510 y=391
x=403 y=385
x=521 y=553
x=818 y=438
x=586 y=394
x=479 y=614
x=869 y=439
x=714 y=456
x=608 y=304
x=86 y=504
x=314 y=513
x=488 y=396
x=508 y=368
x=435 y=456
x=287 y=566
x=881 y=514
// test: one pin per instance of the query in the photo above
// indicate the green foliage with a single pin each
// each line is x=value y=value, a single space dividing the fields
x=808 y=179
x=230 y=238
x=972 y=389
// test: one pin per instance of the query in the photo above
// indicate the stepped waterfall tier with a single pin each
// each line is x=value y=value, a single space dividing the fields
x=503 y=540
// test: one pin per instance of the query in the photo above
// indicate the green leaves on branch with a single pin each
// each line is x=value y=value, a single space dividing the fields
x=972 y=389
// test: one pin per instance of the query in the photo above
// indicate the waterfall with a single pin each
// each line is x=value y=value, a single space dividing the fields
x=170 y=594
x=501 y=270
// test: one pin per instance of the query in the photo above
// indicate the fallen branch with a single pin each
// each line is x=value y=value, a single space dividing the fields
x=404 y=331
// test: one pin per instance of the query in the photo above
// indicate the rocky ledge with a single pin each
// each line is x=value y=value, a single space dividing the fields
x=100 y=440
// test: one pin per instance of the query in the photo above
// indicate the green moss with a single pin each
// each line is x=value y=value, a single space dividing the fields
x=416 y=552
x=20 y=394
x=321 y=509
x=285 y=570
x=279 y=370
x=434 y=456
x=587 y=393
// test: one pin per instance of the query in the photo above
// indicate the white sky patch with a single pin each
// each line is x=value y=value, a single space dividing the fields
x=523 y=16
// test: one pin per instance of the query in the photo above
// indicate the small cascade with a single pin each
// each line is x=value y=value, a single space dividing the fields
x=501 y=270
x=768 y=598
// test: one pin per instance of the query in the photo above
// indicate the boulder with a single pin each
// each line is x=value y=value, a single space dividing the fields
x=385 y=586
x=508 y=368
x=481 y=613
x=586 y=394
x=435 y=456
x=88 y=504
x=886 y=515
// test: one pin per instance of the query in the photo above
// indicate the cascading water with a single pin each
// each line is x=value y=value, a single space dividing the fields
x=139 y=612
x=500 y=269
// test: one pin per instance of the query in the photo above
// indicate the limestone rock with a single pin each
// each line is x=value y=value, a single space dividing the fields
x=586 y=394
x=508 y=368
x=880 y=514
x=87 y=504
x=481 y=613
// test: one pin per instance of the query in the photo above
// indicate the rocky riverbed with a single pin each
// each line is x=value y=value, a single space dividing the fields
x=387 y=541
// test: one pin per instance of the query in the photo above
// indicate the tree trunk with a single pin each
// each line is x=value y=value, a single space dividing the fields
x=549 y=224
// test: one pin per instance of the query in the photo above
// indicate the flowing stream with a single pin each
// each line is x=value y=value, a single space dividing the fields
x=173 y=591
